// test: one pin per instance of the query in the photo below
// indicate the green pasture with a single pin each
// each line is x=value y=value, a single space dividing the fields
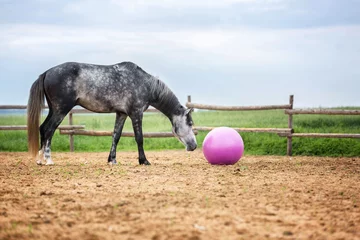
x=255 y=143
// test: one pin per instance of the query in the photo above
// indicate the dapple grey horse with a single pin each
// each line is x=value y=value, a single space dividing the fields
x=123 y=88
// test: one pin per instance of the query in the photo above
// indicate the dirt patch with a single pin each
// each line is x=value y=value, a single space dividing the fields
x=180 y=196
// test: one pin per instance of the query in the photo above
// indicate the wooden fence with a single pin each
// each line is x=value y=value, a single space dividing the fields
x=282 y=132
x=289 y=106
x=288 y=132
x=317 y=135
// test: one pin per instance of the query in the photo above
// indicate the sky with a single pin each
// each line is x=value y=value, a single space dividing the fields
x=228 y=52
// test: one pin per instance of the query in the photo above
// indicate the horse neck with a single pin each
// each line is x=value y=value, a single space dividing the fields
x=167 y=103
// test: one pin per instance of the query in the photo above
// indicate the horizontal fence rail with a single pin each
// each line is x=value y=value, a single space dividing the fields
x=124 y=134
x=82 y=110
x=322 y=135
x=236 y=108
x=13 y=106
x=74 y=110
x=263 y=130
x=322 y=111
x=24 y=127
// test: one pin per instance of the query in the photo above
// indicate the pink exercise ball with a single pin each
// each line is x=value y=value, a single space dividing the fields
x=223 y=146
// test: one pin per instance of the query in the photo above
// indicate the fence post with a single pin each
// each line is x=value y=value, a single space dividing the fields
x=290 y=125
x=71 y=136
x=189 y=98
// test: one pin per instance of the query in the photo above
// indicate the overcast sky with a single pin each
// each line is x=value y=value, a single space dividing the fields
x=225 y=52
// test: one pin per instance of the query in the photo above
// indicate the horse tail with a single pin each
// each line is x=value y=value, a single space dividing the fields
x=34 y=107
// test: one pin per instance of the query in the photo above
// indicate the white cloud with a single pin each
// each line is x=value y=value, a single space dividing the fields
x=140 y=8
x=178 y=4
x=222 y=46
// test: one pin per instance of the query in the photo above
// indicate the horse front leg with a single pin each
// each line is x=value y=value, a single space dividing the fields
x=119 y=124
x=137 y=126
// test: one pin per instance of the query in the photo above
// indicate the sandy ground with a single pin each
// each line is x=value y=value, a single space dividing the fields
x=180 y=196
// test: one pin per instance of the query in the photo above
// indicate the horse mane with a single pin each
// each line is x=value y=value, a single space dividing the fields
x=163 y=98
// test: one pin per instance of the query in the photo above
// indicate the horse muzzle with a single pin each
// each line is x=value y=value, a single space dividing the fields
x=191 y=147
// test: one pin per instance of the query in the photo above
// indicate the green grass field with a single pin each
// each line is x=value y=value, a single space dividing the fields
x=255 y=143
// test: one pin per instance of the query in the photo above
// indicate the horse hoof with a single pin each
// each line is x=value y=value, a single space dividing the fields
x=38 y=162
x=49 y=163
x=146 y=162
x=112 y=163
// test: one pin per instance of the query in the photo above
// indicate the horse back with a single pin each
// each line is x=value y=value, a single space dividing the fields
x=99 y=88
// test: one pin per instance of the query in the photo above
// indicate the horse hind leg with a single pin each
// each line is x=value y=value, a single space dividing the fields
x=47 y=130
x=43 y=126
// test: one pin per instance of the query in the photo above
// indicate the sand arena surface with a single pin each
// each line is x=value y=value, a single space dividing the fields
x=180 y=196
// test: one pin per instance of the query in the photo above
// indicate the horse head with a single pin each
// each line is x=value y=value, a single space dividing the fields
x=182 y=129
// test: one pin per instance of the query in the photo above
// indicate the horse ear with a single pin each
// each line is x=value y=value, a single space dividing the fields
x=188 y=111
